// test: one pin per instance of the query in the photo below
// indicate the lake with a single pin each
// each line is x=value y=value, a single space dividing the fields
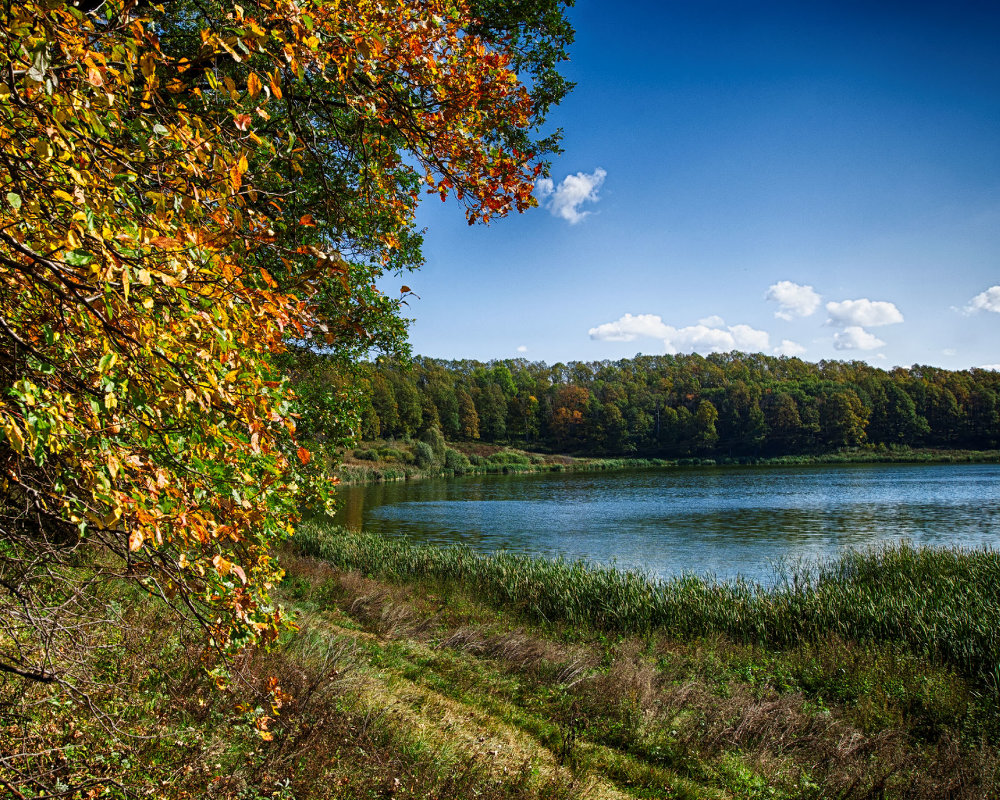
x=719 y=521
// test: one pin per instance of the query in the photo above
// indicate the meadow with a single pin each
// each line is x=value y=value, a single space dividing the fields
x=430 y=672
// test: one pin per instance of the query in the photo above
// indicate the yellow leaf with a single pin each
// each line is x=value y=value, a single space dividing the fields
x=144 y=277
x=148 y=64
x=13 y=434
x=253 y=84
x=135 y=539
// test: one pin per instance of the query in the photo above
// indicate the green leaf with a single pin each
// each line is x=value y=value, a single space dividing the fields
x=78 y=258
x=107 y=362
x=15 y=200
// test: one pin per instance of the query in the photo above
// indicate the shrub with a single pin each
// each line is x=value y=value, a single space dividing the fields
x=456 y=461
x=424 y=455
x=390 y=454
x=508 y=457
x=435 y=439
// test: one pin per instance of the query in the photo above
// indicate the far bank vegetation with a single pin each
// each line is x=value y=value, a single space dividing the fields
x=431 y=415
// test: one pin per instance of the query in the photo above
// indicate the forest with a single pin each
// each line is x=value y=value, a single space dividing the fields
x=731 y=405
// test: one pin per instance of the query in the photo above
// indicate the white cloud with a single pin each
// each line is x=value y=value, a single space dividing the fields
x=789 y=348
x=950 y=351
x=795 y=300
x=750 y=339
x=994 y=367
x=522 y=348
x=629 y=328
x=543 y=188
x=714 y=321
x=863 y=312
x=699 y=338
x=985 y=301
x=854 y=337
x=565 y=199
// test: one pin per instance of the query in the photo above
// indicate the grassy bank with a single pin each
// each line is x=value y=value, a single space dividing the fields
x=376 y=462
x=866 y=678
x=942 y=605
x=420 y=672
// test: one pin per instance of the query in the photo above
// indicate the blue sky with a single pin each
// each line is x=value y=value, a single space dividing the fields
x=808 y=178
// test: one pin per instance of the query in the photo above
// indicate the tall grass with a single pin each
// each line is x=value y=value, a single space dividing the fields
x=942 y=604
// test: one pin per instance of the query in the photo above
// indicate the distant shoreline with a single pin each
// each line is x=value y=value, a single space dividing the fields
x=506 y=461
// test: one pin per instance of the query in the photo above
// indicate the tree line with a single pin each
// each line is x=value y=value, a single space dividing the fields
x=720 y=405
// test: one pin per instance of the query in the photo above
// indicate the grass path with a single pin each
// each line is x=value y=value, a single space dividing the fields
x=409 y=691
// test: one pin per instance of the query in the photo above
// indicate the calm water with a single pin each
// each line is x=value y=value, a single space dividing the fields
x=709 y=520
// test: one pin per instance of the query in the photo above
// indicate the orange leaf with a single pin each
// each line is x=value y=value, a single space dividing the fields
x=304 y=455
x=222 y=565
x=307 y=221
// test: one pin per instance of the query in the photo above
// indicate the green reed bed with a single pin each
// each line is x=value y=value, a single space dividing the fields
x=942 y=604
x=498 y=464
x=884 y=455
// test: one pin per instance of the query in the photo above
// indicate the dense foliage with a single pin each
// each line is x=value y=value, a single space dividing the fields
x=188 y=186
x=723 y=405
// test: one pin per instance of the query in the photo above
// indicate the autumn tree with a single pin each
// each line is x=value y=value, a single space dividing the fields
x=568 y=419
x=190 y=188
x=843 y=419
x=467 y=415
